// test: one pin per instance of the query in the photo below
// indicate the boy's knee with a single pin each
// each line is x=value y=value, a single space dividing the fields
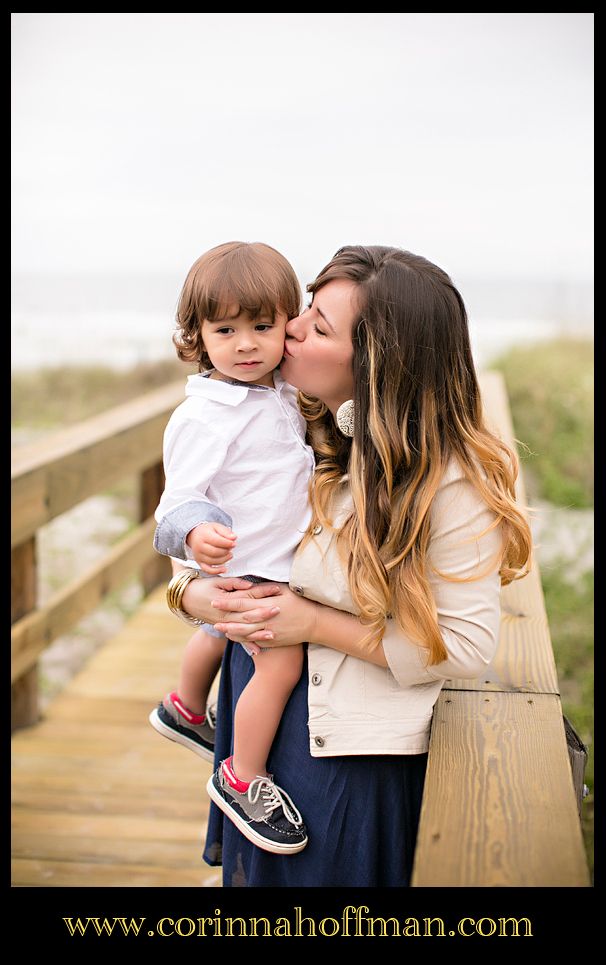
x=295 y=666
x=286 y=665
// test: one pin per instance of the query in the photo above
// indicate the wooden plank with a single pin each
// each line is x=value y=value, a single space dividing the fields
x=63 y=469
x=524 y=660
x=32 y=634
x=99 y=798
x=499 y=808
x=161 y=803
x=50 y=847
x=119 y=712
x=497 y=414
x=70 y=874
x=102 y=826
x=110 y=769
x=24 y=691
x=151 y=486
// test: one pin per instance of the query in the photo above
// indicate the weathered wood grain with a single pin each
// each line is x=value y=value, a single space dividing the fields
x=59 y=472
x=499 y=803
x=24 y=692
x=99 y=798
x=34 y=632
x=500 y=808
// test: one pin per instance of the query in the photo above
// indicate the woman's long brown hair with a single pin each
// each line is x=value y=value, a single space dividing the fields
x=417 y=404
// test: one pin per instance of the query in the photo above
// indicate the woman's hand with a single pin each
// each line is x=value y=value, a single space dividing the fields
x=200 y=596
x=292 y=618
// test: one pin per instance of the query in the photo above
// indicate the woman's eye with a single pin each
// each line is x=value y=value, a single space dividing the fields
x=319 y=331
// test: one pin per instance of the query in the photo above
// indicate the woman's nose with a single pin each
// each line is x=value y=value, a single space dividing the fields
x=295 y=328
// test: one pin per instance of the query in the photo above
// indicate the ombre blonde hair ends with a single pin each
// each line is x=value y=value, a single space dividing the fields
x=417 y=405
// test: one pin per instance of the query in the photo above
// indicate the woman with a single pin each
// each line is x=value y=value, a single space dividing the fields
x=395 y=585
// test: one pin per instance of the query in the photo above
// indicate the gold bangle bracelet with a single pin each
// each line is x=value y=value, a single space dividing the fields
x=174 y=595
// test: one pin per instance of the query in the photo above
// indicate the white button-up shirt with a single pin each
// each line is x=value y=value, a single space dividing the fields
x=236 y=453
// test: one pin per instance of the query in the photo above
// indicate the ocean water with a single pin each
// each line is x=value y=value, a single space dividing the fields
x=122 y=320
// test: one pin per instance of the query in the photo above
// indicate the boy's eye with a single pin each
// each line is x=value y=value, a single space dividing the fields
x=264 y=327
x=223 y=331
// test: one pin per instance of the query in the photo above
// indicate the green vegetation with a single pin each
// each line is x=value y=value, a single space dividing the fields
x=550 y=388
x=53 y=397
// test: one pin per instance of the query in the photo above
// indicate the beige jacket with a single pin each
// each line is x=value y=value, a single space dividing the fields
x=356 y=707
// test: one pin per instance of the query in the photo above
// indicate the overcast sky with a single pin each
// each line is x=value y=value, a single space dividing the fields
x=141 y=140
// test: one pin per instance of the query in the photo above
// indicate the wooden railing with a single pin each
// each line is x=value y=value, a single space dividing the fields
x=500 y=805
x=51 y=477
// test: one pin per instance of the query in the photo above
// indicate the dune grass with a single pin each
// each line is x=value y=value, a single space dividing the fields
x=550 y=388
x=60 y=396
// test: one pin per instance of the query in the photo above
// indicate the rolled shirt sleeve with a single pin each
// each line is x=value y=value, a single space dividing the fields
x=193 y=454
x=468 y=614
x=172 y=530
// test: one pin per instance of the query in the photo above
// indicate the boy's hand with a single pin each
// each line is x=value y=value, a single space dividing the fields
x=211 y=545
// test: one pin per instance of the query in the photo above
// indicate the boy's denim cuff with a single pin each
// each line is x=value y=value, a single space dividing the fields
x=171 y=531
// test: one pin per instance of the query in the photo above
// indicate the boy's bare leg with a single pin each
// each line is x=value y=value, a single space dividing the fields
x=201 y=662
x=260 y=707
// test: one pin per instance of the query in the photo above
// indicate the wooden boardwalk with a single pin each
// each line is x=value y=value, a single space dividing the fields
x=99 y=798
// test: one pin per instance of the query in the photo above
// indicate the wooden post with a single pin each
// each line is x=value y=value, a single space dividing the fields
x=24 y=692
x=151 y=486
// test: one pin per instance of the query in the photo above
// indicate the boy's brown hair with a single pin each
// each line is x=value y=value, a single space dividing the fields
x=251 y=275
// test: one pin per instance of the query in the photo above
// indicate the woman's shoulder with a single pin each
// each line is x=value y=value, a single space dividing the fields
x=455 y=474
x=455 y=489
x=458 y=501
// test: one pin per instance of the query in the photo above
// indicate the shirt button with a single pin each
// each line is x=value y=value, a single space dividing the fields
x=297 y=589
x=317 y=530
x=319 y=741
x=316 y=679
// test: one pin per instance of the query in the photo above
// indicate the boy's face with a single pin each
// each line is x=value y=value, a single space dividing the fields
x=243 y=348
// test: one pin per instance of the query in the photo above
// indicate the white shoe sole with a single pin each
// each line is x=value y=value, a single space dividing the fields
x=272 y=846
x=161 y=727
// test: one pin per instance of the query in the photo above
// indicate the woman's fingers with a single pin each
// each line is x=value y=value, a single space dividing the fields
x=259 y=615
x=242 y=604
x=231 y=583
x=236 y=632
x=259 y=590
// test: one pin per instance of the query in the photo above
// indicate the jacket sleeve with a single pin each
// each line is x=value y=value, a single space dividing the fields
x=468 y=614
x=193 y=455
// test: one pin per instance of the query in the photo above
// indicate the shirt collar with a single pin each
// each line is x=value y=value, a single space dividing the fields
x=230 y=392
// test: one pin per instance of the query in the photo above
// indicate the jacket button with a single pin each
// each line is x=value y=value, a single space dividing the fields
x=316 y=679
x=317 y=530
x=319 y=741
x=297 y=589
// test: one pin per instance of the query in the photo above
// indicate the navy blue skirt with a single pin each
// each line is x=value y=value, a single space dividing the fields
x=361 y=812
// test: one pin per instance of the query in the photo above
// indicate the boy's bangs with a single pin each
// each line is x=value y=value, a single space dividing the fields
x=235 y=296
x=253 y=279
